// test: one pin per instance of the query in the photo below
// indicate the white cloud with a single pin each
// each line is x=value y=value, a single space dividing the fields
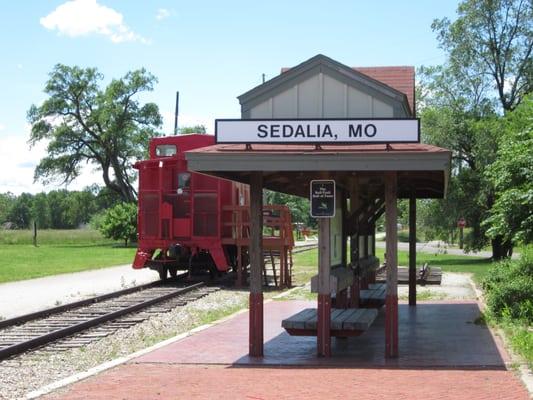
x=18 y=162
x=2 y=127
x=162 y=13
x=85 y=17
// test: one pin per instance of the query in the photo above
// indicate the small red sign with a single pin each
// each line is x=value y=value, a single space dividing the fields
x=461 y=223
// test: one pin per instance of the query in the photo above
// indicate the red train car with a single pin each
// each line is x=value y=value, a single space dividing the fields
x=181 y=220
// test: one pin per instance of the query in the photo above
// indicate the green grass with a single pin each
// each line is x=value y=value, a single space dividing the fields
x=57 y=252
x=53 y=236
x=306 y=263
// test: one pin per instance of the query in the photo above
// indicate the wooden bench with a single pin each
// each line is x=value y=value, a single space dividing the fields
x=374 y=296
x=344 y=322
x=426 y=275
x=367 y=268
x=340 y=278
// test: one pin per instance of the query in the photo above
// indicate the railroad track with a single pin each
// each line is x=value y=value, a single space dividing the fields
x=80 y=323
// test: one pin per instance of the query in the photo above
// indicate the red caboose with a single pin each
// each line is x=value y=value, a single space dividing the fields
x=181 y=221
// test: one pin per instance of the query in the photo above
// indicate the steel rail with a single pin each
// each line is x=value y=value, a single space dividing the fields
x=6 y=323
x=61 y=333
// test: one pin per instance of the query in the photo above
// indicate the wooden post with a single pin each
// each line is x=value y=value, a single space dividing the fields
x=344 y=239
x=391 y=301
x=412 y=249
x=354 y=244
x=34 y=233
x=256 y=265
x=324 y=295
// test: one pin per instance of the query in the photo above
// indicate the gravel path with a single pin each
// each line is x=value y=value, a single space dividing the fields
x=23 y=374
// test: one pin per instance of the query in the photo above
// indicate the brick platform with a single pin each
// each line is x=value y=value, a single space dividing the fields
x=443 y=354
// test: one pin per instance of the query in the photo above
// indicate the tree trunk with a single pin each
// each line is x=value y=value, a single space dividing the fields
x=497 y=248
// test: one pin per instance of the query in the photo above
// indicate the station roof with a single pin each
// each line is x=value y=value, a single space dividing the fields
x=422 y=169
x=400 y=78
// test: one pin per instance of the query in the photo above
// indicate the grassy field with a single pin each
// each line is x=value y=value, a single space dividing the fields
x=58 y=251
x=306 y=263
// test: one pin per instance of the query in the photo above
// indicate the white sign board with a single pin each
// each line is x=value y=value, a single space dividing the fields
x=294 y=131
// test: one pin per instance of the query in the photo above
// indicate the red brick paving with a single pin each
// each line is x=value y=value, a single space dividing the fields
x=443 y=355
x=149 y=381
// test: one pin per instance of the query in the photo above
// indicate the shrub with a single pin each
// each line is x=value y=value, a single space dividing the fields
x=120 y=222
x=509 y=288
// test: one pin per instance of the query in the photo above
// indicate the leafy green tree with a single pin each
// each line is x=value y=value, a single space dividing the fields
x=511 y=216
x=120 y=222
x=79 y=207
x=187 y=130
x=20 y=213
x=490 y=44
x=40 y=211
x=83 y=123
x=298 y=205
x=6 y=202
x=57 y=200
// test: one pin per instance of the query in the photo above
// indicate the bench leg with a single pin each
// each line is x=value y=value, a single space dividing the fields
x=323 y=325
x=354 y=294
x=342 y=299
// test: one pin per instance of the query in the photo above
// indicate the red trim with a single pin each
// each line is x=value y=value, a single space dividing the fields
x=323 y=326
x=391 y=326
x=256 y=325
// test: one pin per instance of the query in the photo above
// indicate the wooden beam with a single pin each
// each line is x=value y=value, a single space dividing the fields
x=344 y=237
x=354 y=241
x=412 y=249
x=256 y=265
x=391 y=300
x=324 y=295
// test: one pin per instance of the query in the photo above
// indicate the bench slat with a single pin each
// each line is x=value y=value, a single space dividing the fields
x=352 y=319
x=338 y=316
x=360 y=320
x=297 y=321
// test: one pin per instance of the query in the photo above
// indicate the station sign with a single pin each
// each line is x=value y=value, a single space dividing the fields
x=322 y=198
x=318 y=131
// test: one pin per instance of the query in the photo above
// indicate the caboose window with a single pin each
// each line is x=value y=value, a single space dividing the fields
x=165 y=150
x=184 y=180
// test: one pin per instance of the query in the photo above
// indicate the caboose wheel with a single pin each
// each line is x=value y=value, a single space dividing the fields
x=162 y=273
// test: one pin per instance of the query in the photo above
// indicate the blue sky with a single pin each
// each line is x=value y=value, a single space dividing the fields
x=211 y=51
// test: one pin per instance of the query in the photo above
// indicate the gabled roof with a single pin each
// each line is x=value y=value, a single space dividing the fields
x=325 y=64
x=400 y=78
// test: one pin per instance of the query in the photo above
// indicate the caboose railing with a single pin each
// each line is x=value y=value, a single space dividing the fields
x=278 y=239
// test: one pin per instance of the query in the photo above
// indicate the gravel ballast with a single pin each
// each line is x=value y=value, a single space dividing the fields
x=28 y=372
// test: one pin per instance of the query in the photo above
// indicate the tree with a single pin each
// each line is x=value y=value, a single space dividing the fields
x=57 y=200
x=108 y=127
x=298 y=206
x=6 y=202
x=511 y=216
x=120 y=222
x=187 y=130
x=79 y=208
x=489 y=46
x=20 y=213
x=491 y=43
x=40 y=211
